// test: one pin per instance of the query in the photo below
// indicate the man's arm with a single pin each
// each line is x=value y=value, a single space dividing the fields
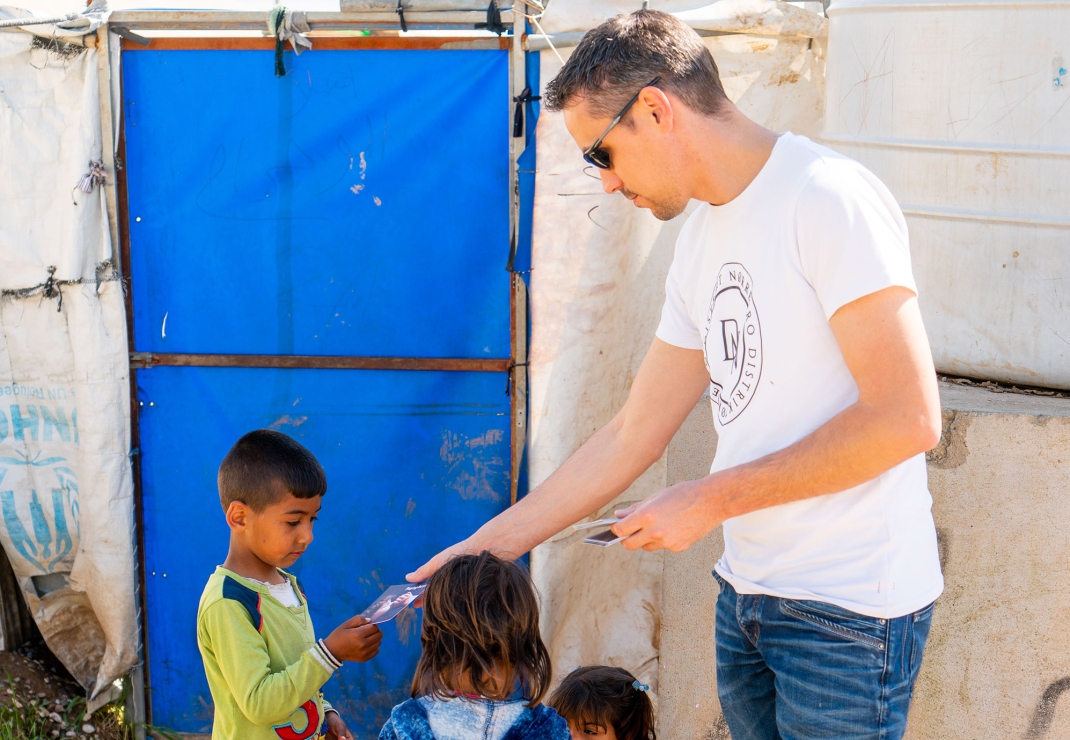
x=897 y=416
x=668 y=385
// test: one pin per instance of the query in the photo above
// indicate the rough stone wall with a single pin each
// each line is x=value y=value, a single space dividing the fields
x=998 y=659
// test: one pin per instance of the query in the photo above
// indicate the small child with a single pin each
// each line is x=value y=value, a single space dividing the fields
x=484 y=666
x=264 y=665
x=604 y=702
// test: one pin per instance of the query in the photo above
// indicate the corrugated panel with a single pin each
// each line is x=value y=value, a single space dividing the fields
x=357 y=206
x=415 y=461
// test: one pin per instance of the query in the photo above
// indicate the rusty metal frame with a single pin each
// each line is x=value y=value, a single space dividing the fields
x=515 y=366
x=252 y=43
x=145 y=360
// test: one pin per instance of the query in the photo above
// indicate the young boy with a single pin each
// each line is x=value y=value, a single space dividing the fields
x=264 y=664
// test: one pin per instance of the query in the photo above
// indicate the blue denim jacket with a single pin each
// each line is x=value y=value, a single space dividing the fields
x=473 y=719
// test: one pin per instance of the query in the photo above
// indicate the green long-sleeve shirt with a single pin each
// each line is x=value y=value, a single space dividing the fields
x=264 y=667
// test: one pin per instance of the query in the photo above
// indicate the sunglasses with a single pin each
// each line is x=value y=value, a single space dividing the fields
x=598 y=156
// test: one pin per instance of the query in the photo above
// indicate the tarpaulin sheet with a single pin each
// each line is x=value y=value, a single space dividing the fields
x=65 y=483
x=597 y=286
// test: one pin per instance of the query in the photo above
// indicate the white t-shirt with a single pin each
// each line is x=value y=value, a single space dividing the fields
x=753 y=284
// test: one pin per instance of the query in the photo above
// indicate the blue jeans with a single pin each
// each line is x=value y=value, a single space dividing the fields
x=802 y=670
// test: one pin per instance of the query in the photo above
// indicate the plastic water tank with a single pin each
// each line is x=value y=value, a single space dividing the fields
x=963 y=109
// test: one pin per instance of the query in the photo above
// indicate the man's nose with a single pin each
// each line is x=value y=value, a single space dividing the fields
x=304 y=537
x=610 y=182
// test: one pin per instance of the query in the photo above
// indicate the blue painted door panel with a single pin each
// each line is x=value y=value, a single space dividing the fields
x=357 y=206
x=414 y=460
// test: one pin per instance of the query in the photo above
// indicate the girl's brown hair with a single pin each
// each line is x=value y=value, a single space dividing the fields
x=481 y=632
x=606 y=697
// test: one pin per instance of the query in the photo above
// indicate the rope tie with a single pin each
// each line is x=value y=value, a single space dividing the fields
x=96 y=176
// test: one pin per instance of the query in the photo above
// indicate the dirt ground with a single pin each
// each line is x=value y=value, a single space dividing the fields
x=35 y=691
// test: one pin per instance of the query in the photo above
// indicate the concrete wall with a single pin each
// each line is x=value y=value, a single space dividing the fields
x=998 y=658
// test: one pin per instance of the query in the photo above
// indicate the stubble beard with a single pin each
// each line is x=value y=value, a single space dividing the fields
x=666 y=211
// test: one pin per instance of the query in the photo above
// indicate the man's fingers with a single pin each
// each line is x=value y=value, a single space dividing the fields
x=428 y=569
x=353 y=622
x=622 y=513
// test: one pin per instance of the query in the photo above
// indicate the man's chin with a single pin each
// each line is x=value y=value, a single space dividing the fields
x=661 y=211
x=666 y=213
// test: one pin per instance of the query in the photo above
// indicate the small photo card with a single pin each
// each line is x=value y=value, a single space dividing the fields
x=594 y=524
x=603 y=539
x=392 y=602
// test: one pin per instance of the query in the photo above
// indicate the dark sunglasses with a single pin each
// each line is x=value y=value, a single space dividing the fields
x=598 y=156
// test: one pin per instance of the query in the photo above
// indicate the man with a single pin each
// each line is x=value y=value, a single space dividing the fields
x=791 y=298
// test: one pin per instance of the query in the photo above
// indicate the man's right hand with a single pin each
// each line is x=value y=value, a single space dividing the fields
x=355 y=640
x=428 y=569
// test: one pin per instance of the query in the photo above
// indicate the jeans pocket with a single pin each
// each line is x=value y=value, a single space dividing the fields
x=920 y=621
x=720 y=581
x=868 y=631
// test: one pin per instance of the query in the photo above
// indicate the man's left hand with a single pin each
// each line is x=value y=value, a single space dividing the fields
x=336 y=727
x=672 y=519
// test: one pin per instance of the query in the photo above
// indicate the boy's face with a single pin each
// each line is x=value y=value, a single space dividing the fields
x=590 y=731
x=279 y=534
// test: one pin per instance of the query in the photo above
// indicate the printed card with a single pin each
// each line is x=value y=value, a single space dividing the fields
x=597 y=523
x=603 y=539
x=392 y=602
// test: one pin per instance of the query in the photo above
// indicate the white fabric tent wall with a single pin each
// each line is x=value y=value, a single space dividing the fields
x=597 y=286
x=66 y=491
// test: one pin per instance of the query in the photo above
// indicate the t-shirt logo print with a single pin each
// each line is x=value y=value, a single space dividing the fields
x=733 y=342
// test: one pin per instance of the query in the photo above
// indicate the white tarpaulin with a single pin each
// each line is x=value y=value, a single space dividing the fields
x=597 y=286
x=65 y=479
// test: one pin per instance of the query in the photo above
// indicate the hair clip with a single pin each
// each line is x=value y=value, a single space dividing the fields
x=639 y=686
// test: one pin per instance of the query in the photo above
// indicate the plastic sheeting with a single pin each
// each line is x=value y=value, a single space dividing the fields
x=754 y=17
x=597 y=286
x=65 y=483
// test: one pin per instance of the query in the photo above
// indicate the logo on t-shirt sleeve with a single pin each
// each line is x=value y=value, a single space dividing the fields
x=733 y=342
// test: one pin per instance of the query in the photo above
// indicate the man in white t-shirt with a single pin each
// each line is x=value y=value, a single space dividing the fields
x=791 y=299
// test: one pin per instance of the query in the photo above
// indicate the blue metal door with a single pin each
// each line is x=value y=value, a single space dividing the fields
x=321 y=254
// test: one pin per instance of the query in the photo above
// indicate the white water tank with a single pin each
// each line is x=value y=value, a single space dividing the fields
x=963 y=109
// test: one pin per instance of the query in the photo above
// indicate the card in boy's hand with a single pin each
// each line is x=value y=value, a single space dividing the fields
x=603 y=539
x=392 y=602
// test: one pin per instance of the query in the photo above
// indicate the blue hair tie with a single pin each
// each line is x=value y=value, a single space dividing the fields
x=639 y=686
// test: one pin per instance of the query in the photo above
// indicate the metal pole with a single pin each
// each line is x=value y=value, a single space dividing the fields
x=107 y=141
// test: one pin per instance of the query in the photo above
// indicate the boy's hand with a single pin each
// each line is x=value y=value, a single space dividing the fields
x=336 y=728
x=355 y=640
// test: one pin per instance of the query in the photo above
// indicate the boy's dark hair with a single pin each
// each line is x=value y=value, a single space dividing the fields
x=606 y=697
x=481 y=627
x=616 y=60
x=263 y=466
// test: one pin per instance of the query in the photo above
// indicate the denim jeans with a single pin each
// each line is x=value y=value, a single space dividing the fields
x=802 y=670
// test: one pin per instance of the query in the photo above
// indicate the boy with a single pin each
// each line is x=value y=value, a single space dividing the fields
x=264 y=664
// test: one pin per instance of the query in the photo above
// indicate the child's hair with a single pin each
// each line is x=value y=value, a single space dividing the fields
x=481 y=631
x=606 y=697
x=263 y=466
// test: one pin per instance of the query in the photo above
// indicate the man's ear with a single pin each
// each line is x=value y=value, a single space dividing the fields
x=237 y=513
x=658 y=106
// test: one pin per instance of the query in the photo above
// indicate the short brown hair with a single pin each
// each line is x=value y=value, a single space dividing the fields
x=616 y=60
x=481 y=623
x=607 y=697
x=263 y=466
